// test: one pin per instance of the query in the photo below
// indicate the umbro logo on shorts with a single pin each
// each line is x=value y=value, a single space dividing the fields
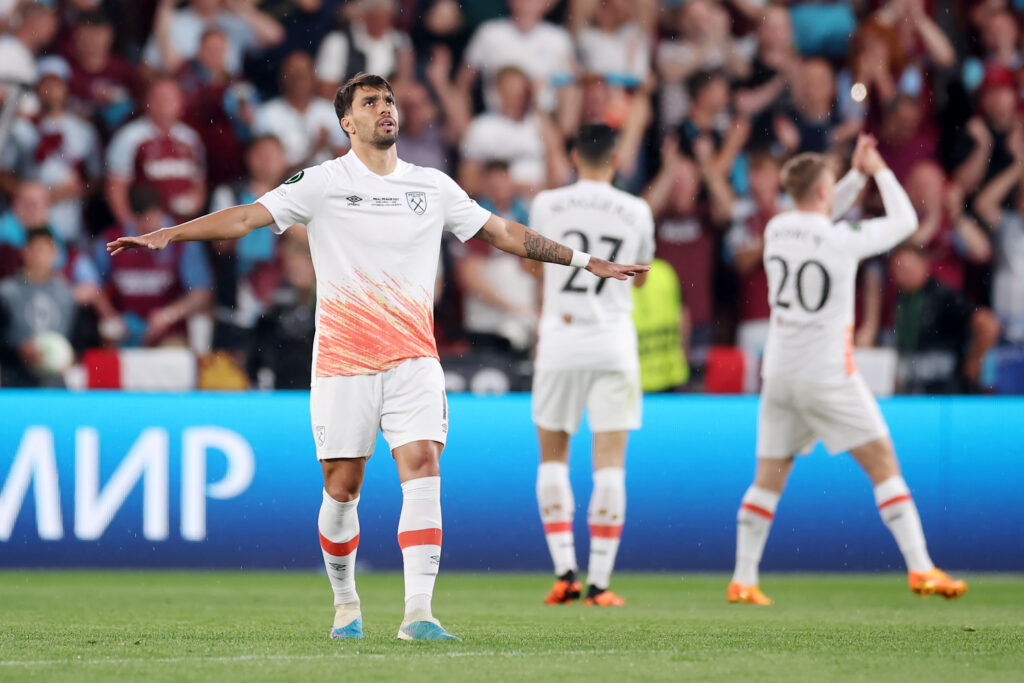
x=417 y=201
x=354 y=199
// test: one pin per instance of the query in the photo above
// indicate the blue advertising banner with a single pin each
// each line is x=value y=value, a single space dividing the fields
x=231 y=481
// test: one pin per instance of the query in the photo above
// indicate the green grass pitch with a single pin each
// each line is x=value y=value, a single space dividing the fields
x=223 y=626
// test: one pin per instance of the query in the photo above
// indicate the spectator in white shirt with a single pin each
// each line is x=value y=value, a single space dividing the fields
x=540 y=49
x=177 y=32
x=370 y=44
x=613 y=38
x=515 y=133
x=305 y=124
x=57 y=148
x=704 y=42
x=35 y=29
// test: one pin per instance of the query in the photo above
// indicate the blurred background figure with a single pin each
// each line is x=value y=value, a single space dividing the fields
x=35 y=305
x=160 y=151
x=246 y=271
x=368 y=43
x=305 y=123
x=942 y=338
x=58 y=149
x=178 y=32
x=500 y=310
x=281 y=345
x=152 y=292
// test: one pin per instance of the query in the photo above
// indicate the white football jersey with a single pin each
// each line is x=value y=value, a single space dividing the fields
x=586 y=321
x=375 y=242
x=812 y=270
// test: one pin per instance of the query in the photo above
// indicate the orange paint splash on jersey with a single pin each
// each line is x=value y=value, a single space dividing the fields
x=371 y=326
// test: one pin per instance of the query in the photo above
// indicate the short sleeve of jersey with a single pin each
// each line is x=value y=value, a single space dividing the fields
x=646 y=254
x=297 y=199
x=538 y=213
x=463 y=217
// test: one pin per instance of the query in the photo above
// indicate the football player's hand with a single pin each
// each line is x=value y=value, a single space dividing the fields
x=154 y=241
x=864 y=142
x=602 y=268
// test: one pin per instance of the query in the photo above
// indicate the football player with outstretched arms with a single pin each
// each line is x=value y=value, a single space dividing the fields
x=375 y=225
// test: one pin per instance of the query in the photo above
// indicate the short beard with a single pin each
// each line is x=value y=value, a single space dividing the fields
x=384 y=141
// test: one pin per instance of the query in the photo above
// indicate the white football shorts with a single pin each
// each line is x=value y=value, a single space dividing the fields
x=407 y=403
x=796 y=413
x=612 y=399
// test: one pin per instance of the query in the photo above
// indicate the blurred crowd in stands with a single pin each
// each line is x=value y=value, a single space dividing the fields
x=129 y=115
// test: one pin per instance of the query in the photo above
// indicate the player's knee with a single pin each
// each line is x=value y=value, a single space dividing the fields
x=342 y=491
x=418 y=460
x=878 y=459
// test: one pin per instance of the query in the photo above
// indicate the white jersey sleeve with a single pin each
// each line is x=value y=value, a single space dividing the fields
x=463 y=217
x=848 y=188
x=297 y=199
x=538 y=214
x=878 y=235
x=646 y=252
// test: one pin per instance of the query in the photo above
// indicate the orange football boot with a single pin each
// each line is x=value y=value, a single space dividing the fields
x=563 y=592
x=746 y=595
x=936 y=582
x=603 y=598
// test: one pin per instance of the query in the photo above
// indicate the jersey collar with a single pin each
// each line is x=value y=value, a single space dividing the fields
x=356 y=165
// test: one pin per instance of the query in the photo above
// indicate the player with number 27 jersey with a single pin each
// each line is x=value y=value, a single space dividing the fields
x=586 y=322
x=587 y=362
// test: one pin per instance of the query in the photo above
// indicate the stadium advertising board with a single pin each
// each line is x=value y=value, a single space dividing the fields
x=230 y=480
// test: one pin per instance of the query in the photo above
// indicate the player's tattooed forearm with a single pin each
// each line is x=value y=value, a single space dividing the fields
x=540 y=248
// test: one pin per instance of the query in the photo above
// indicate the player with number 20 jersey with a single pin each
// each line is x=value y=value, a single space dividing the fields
x=587 y=360
x=811 y=389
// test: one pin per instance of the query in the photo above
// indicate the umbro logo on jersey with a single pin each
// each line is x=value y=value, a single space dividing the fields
x=354 y=199
x=417 y=201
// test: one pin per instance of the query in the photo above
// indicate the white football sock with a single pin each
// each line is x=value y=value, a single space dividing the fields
x=557 y=506
x=899 y=513
x=753 y=522
x=419 y=536
x=339 y=540
x=606 y=515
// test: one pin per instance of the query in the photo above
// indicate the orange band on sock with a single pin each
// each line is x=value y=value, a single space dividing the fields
x=757 y=510
x=419 y=537
x=339 y=549
x=893 y=501
x=600 y=531
x=557 y=527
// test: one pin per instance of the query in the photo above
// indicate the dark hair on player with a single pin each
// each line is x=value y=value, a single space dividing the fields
x=801 y=174
x=595 y=144
x=347 y=92
x=143 y=198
